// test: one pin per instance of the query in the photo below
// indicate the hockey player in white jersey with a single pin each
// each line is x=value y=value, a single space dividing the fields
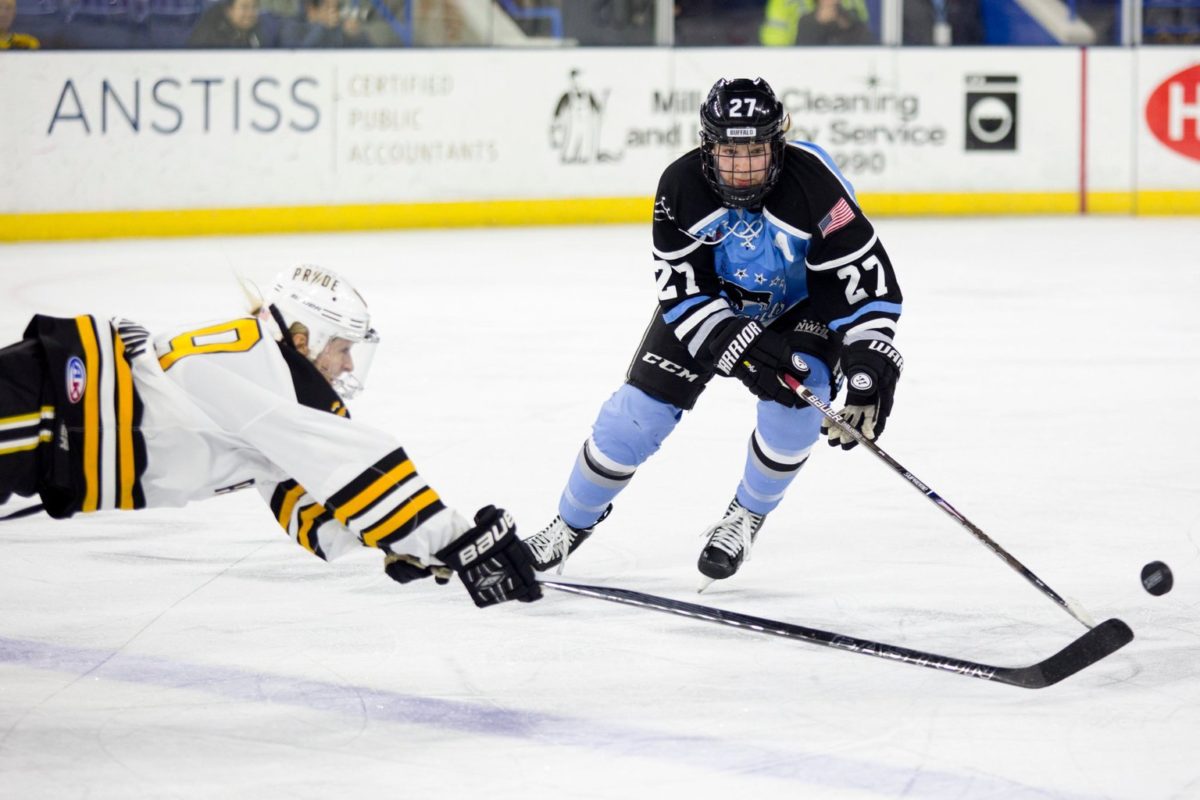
x=98 y=415
x=766 y=266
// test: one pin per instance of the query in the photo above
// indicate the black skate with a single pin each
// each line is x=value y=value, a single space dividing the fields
x=727 y=544
x=552 y=544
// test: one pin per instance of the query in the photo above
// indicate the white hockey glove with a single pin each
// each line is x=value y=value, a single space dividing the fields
x=872 y=369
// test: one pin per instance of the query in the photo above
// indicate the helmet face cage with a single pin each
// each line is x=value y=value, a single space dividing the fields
x=329 y=322
x=742 y=127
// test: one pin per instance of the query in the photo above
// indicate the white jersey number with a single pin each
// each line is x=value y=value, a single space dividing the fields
x=853 y=275
x=666 y=292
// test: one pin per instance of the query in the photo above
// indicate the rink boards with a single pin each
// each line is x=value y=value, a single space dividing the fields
x=162 y=143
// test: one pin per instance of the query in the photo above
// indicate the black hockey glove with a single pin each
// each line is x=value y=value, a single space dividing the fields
x=492 y=562
x=406 y=568
x=755 y=356
x=807 y=339
x=872 y=369
x=759 y=357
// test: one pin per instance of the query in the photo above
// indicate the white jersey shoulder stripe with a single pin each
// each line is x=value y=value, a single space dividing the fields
x=675 y=254
x=706 y=330
x=838 y=262
x=778 y=223
x=709 y=220
x=701 y=314
x=871 y=330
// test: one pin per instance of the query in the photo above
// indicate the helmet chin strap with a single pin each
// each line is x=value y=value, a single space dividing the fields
x=283 y=328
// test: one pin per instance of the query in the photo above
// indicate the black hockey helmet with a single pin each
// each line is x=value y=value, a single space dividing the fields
x=742 y=111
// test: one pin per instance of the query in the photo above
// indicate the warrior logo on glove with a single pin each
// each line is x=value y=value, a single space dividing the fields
x=861 y=382
x=741 y=339
x=873 y=367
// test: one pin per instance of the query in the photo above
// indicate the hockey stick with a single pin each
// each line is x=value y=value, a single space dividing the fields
x=1070 y=607
x=1101 y=641
x=28 y=511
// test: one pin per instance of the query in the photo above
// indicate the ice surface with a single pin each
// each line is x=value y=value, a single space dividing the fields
x=1051 y=390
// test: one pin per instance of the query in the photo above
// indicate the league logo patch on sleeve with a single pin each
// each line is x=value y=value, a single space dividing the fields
x=76 y=379
x=838 y=217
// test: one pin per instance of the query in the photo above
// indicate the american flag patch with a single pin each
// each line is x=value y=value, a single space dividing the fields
x=838 y=217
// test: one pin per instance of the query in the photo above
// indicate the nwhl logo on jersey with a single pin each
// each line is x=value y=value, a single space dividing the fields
x=487 y=540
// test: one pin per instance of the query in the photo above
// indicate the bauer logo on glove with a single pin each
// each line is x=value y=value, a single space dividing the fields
x=490 y=537
x=493 y=564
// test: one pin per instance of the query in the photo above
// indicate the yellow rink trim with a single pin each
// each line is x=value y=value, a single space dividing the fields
x=505 y=213
x=1144 y=203
x=312 y=219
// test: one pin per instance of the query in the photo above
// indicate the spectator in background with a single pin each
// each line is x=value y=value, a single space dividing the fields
x=942 y=22
x=711 y=23
x=234 y=23
x=1168 y=24
x=323 y=26
x=830 y=23
x=8 y=39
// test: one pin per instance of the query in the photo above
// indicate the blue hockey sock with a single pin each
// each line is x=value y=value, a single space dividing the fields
x=779 y=446
x=630 y=428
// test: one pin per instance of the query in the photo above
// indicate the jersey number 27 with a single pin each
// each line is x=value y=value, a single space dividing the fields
x=666 y=292
x=853 y=275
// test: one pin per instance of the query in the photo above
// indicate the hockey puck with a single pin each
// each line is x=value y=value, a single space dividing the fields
x=1157 y=578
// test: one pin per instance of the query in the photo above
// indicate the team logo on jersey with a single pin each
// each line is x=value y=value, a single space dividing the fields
x=745 y=298
x=76 y=379
x=662 y=211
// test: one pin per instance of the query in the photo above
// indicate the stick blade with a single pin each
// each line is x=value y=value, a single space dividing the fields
x=1100 y=642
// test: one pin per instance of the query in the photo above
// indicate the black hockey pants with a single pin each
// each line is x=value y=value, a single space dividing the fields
x=23 y=427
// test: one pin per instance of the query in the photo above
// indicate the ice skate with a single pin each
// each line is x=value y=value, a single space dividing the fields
x=727 y=544
x=552 y=544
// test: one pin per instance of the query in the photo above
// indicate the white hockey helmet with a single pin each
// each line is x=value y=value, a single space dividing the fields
x=327 y=319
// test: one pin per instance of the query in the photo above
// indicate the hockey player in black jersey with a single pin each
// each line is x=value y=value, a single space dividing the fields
x=766 y=266
x=98 y=415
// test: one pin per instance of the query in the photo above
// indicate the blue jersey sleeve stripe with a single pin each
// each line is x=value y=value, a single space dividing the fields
x=887 y=308
x=681 y=309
